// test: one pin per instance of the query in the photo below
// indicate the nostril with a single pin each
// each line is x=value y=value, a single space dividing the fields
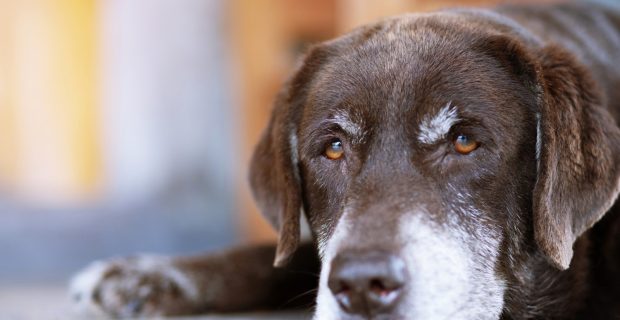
x=382 y=294
x=344 y=288
x=343 y=296
x=377 y=287
x=379 y=284
x=338 y=286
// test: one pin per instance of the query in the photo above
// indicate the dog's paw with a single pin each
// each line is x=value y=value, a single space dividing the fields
x=134 y=287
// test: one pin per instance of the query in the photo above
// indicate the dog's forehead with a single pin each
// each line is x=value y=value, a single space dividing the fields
x=395 y=68
x=409 y=75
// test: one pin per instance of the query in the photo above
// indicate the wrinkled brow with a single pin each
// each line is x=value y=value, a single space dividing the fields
x=339 y=120
x=344 y=121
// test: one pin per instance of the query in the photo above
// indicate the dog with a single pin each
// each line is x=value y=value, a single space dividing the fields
x=461 y=164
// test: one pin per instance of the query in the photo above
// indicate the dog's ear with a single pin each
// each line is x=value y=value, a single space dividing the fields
x=578 y=153
x=274 y=172
x=577 y=147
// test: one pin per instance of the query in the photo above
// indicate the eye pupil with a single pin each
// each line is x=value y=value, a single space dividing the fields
x=336 y=145
x=334 y=150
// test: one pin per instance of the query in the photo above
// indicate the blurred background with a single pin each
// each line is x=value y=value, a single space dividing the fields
x=126 y=125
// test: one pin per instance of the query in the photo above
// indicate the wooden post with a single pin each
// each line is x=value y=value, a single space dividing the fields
x=49 y=150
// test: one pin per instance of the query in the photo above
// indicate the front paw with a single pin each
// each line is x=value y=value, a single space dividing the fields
x=134 y=287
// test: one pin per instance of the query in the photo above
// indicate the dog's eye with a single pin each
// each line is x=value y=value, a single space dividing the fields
x=334 y=150
x=464 y=145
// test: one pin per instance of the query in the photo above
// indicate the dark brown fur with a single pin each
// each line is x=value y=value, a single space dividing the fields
x=560 y=253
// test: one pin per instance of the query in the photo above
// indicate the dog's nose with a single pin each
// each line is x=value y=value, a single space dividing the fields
x=367 y=283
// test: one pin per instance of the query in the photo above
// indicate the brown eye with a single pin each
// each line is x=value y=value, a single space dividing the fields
x=334 y=150
x=464 y=145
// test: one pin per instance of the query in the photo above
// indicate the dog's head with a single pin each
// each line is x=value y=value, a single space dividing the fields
x=433 y=155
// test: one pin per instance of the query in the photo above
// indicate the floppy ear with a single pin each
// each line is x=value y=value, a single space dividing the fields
x=274 y=174
x=578 y=150
x=577 y=147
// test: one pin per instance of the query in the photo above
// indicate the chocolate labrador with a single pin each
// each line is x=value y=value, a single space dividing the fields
x=463 y=164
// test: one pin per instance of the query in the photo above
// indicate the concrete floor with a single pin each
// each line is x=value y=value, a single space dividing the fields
x=51 y=302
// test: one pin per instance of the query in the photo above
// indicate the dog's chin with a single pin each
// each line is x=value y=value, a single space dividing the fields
x=449 y=278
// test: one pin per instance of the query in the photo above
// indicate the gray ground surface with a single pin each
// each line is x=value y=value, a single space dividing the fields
x=51 y=303
x=50 y=245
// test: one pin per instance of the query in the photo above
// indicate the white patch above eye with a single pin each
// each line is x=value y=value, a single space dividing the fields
x=349 y=126
x=435 y=128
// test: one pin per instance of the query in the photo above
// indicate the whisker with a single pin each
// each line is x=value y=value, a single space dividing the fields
x=299 y=296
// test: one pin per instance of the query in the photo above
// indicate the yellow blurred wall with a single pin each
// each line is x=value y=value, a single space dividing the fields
x=49 y=148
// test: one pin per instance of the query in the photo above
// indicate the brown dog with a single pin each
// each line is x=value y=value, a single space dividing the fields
x=463 y=164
